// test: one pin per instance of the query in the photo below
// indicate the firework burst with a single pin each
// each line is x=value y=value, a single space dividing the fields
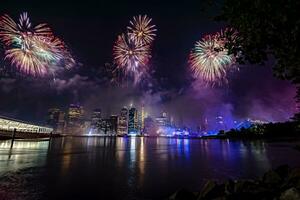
x=33 y=50
x=10 y=31
x=25 y=59
x=130 y=56
x=141 y=31
x=132 y=51
x=210 y=60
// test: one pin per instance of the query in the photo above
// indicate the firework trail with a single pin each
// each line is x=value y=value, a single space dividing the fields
x=33 y=50
x=141 y=31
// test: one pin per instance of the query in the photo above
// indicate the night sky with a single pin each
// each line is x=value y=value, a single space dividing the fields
x=90 y=30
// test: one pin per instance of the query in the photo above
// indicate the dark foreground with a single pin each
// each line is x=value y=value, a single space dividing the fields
x=131 y=168
x=281 y=183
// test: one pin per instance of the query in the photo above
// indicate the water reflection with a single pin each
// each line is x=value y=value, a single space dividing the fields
x=141 y=167
x=134 y=149
x=24 y=154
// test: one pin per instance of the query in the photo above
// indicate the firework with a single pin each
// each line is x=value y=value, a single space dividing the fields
x=10 y=31
x=25 y=59
x=141 y=31
x=210 y=59
x=130 y=56
x=54 y=51
x=33 y=50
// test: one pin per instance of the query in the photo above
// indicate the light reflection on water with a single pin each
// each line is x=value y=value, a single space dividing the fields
x=140 y=167
x=23 y=154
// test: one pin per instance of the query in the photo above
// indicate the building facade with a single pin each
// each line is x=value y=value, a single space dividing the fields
x=162 y=120
x=114 y=124
x=96 y=119
x=75 y=123
x=53 y=117
x=133 y=121
x=123 y=122
x=61 y=126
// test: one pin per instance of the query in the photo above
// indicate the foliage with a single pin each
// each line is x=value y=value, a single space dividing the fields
x=271 y=130
x=267 y=27
x=268 y=30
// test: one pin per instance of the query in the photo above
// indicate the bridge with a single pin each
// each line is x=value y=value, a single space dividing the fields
x=23 y=129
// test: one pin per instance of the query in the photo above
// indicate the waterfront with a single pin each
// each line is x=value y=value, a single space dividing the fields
x=131 y=168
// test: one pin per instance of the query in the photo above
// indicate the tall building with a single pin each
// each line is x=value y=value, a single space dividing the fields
x=75 y=119
x=114 y=124
x=75 y=113
x=53 y=118
x=106 y=126
x=163 y=120
x=61 y=123
x=96 y=119
x=163 y=124
x=123 y=122
x=133 y=120
x=143 y=119
x=109 y=126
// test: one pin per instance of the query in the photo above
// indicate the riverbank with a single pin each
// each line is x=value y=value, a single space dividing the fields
x=282 y=183
x=278 y=138
x=290 y=129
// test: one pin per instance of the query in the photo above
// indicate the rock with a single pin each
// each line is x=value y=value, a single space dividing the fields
x=250 y=189
x=297 y=184
x=271 y=178
x=208 y=187
x=229 y=187
x=211 y=190
x=183 y=194
x=290 y=194
x=282 y=183
x=293 y=179
x=294 y=174
x=283 y=171
x=245 y=186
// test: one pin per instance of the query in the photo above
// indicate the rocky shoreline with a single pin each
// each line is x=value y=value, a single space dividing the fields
x=282 y=183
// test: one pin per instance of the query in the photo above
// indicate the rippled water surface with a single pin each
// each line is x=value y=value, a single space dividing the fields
x=130 y=168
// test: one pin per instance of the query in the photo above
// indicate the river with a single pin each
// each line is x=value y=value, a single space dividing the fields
x=131 y=168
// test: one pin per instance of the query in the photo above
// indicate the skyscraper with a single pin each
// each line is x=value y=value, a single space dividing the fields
x=114 y=124
x=163 y=123
x=123 y=122
x=75 y=113
x=61 y=123
x=163 y=120
x=105 y=126
x=143 y=119
x=133 y=121
x=53 y=118
x=96 y=119
x=75 y=119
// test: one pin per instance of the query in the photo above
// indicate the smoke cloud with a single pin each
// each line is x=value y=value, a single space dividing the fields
x=252 y=93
